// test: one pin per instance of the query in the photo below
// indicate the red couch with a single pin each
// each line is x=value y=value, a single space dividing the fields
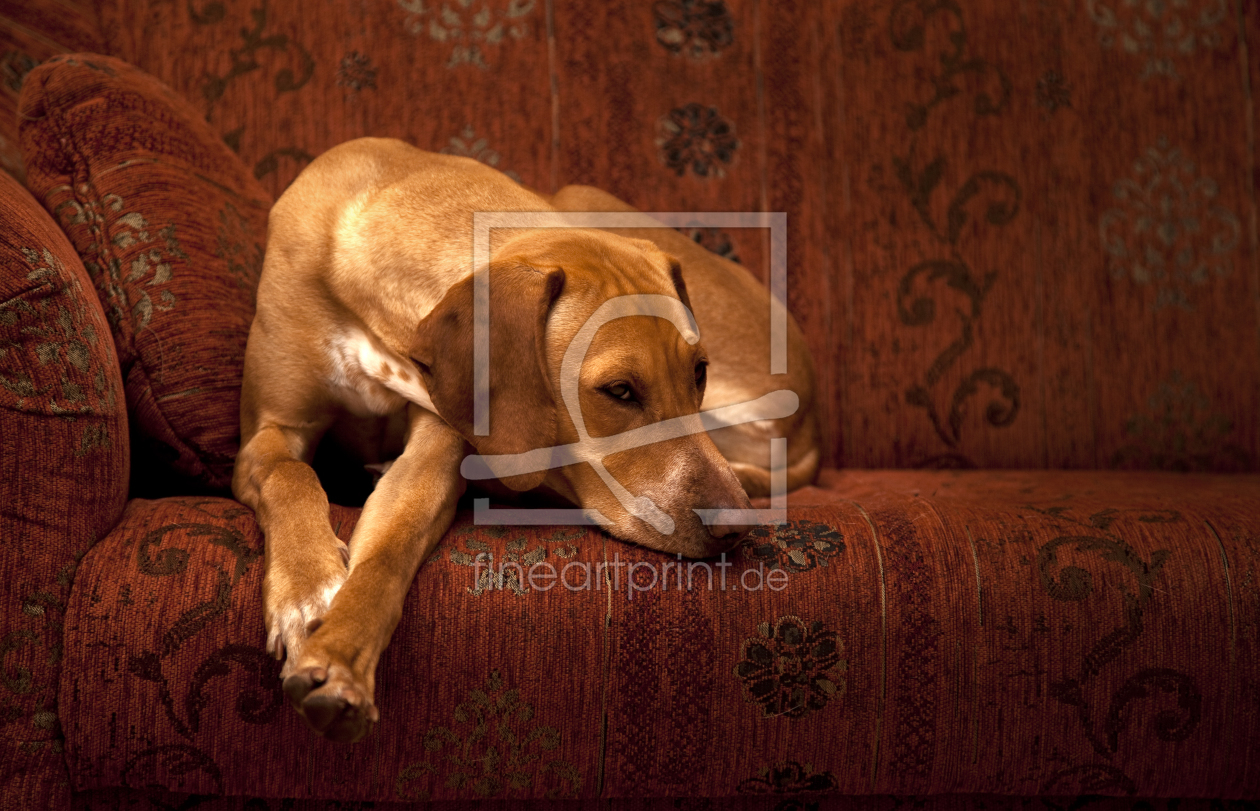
x=1020 y=240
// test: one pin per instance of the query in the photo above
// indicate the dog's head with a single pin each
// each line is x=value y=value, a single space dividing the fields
x=563 y=360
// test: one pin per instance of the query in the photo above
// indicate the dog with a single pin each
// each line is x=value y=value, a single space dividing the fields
x=364 y=332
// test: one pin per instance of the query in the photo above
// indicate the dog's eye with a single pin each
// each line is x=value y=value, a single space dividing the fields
x=702 y=372
x=621 y=391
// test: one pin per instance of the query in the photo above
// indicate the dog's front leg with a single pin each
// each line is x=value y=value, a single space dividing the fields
x=305 y=562
x=333 y=682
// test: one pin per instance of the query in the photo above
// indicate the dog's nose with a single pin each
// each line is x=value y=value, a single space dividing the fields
x=728 y=534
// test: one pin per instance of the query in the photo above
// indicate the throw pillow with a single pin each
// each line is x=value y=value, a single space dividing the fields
x=171 y=227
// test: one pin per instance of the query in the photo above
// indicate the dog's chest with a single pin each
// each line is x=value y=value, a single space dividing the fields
x=370 y=380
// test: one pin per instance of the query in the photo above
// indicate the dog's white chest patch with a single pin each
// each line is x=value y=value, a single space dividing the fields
x=372 y=380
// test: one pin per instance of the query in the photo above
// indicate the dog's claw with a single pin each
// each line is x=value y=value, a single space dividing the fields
x=335 y=707
x=275 y=645
x=290 y=622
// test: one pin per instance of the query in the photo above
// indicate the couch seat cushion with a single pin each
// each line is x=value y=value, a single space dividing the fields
x=1016 y=633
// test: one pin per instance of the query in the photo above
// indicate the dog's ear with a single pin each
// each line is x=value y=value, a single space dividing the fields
x=522 y=398
x=675 y=273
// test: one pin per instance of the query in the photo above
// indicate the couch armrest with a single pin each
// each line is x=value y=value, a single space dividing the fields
x=63 y=478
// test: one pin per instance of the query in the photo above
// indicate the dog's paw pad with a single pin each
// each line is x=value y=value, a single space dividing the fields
x=335 y=708
x=300 y=684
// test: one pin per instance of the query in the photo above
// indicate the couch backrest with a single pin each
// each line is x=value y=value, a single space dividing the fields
x=1020 y=235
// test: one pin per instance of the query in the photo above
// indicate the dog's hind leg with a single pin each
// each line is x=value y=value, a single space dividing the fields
x=747 y=448
x=758 y=481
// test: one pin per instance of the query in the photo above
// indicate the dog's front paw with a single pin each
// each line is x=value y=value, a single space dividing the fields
x=334 y=702
x=295 y=607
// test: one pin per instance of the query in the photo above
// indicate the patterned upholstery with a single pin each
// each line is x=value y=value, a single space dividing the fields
x=1020 y=237
x=171 y=227
x=928 y=633
x=157 y=800
x=63 y=465
x=31 y=32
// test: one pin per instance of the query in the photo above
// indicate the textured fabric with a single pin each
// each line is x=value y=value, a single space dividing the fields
x=1018 y=235
x=173 y=619
x=1028 y=634
x=172 y=229
x=30 y=32
x=793 y=798
x=63 y=476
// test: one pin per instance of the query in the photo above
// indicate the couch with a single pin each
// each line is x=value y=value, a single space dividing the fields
x=1022 y=249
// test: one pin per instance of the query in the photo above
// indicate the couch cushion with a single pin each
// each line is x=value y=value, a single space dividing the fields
x=171 y=686
x=172 y=228
x=63 y=474
x=1031 y=634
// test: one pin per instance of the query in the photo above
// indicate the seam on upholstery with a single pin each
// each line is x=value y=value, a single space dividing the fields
x=975 y=653
x=883 y=645
x=603 y=699
x=79 y=164
x=181 y=444
x=975 y=657
x=975 y=559
x=1233 y=646
x=26 y=291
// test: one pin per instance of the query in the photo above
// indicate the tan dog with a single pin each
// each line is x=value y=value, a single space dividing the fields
x=364 y=330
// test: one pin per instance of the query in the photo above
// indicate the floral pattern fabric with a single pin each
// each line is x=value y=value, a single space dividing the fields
x=966 y=306
x=171 y=229
x=63 y=469
x=940 y=614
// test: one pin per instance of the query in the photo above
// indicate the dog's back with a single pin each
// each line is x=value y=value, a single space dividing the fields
x=338 y=227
